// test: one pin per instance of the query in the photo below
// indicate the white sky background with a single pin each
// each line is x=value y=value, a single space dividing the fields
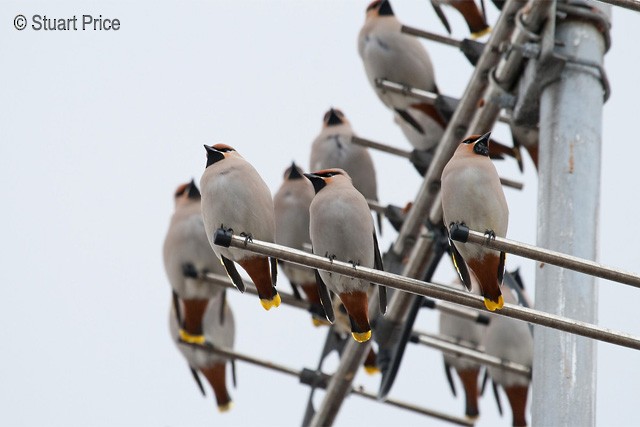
x=97 y=130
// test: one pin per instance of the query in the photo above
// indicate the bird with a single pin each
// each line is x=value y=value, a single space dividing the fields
x=387 y=53
x=332 y=148
x=235 y=197
x=473 y=16
x=341 y=228
x=510 y=339
x=187 y=257
x=467 y=333
x=472 y=196
x=219 y=330
x=291 y=204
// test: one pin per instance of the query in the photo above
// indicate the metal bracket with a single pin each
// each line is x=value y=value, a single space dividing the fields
x=547 y=67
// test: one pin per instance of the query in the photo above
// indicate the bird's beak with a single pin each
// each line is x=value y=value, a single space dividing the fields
x=385 y=9
x=213 y=155
x=193 y=192
x=481 y=145
x=317 y=181
x=333 y=119
x=484 y=139
x=294 y=173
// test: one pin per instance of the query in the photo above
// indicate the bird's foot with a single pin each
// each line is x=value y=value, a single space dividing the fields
x=354 y=263
x=491 y=235
x=331 y=257
x=248 y=237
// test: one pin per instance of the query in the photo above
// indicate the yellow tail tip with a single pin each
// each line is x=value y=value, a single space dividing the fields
x=361 y=336
x=225 y=407
x=270 y=303
x=191 y=339
x=493 y=306
x=481 y=33
x=319 y=322
x=371 y=370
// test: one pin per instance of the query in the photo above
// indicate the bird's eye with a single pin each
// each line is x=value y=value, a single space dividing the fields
x=468 y=141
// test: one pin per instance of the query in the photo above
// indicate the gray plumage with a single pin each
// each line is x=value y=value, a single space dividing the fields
x=186 y=246
x=333 y=148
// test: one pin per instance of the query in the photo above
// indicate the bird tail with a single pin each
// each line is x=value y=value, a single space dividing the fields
x=497 y=150
x=216 y=375
x=469 y=378
x=259 y=270
x=518 y=400
x=473 y=16
x=370 y=365
x=486 y=270
x=193 y=312
x=357 y=306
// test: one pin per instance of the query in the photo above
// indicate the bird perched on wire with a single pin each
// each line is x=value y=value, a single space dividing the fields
x=510 y=339
x=219 y=330
x=333 y=148
x=387 y=53
x=187 y=257
x=465 y=332
x=473 y=16
x=234 y=196
x=291 y=204
x=341 y=229
x=472 y=196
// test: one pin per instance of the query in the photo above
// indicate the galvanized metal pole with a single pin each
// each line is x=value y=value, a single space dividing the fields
x=564 y=372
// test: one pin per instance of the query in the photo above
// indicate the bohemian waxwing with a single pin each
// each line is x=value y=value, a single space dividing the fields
x=390 y=54
x=464 y=332
x=341 y=229
x=234 y=196
x=510 y=339
x=333 y=148
x=219 y=330
x=472 y=195
x=187 y=258
x=387 y=53
x=291 y=204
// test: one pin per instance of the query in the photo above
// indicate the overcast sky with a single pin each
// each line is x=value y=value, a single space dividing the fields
x=97 y=129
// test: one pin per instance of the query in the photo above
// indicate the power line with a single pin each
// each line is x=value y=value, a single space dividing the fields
x=427 y=289
x=321 y=379
x=463 y=234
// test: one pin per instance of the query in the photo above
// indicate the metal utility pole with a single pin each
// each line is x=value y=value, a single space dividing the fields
x=564 y=371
